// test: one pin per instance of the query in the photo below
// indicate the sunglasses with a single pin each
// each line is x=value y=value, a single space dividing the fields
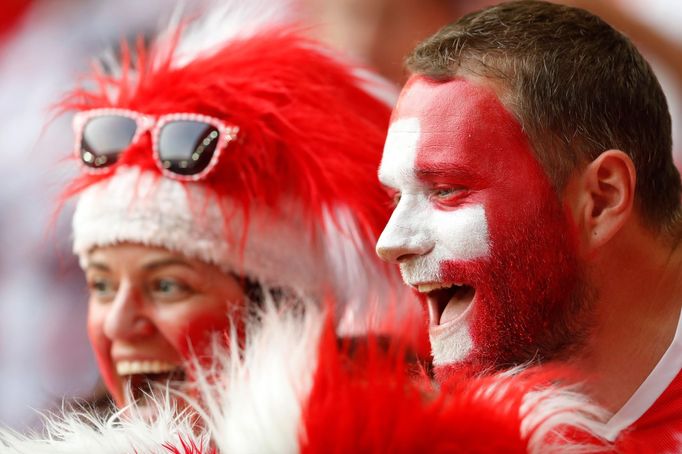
x=186 y=146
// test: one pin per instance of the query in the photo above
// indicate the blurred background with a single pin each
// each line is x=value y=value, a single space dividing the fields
x=45 y=45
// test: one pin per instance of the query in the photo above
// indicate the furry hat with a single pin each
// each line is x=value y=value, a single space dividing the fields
x=293 y=201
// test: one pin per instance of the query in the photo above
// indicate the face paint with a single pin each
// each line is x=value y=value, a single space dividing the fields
x=478 y=229
x=149 y=310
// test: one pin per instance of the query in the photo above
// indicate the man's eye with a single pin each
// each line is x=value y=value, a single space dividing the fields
x=448 y=194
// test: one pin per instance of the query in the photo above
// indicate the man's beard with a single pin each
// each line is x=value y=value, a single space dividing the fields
x=533 y=302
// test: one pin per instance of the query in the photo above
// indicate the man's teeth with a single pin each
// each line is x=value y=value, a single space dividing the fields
x=426 y=288
x=144 y=367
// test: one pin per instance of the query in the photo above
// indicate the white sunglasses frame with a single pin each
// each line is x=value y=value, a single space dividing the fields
x=154 y=123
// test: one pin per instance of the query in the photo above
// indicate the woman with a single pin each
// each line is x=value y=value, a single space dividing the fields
x=233 y=160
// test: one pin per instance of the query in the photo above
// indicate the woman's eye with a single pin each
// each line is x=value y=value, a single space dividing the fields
x=102 y=288
x=170 y=289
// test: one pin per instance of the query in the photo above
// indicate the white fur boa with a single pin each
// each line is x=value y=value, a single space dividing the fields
x=266 y=398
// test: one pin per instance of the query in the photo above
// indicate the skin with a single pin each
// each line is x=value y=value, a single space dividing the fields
x=617 y=282
x=151 y=304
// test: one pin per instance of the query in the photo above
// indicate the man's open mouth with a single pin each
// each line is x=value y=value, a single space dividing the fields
x=144 y=377
x=447 y=302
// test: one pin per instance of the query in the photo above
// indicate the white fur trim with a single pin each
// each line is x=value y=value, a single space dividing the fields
x=256 y=406
x=373 y=294
x=374 y=84
x=549 y=412
x=256 y=403
x=147 y=209
x=279 y=251
x=84 y=432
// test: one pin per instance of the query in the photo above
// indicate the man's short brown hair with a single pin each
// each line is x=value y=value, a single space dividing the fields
x=577 y=86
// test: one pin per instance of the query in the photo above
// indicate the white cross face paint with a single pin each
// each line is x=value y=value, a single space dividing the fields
x=420 y=236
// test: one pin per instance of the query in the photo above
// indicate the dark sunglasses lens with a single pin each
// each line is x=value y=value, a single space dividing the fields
x=104 y=138
x=186 y=146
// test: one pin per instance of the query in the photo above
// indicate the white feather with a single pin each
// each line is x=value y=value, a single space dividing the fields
x=256 y=405
x=127 y=431
x=226 y=21
x=252 y=402
x=371 y=295
x=549 y=412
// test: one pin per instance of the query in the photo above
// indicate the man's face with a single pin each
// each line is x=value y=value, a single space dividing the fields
x=149 y=310
x=478 y=229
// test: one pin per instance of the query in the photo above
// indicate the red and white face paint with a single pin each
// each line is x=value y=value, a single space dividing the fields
x=478 y=229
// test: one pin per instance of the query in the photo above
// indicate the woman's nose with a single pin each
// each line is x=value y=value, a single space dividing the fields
x=126 y=318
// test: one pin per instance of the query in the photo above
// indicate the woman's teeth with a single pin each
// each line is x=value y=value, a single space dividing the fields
x=124 y=368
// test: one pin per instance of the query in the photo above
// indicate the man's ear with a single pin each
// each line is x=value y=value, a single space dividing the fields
x=603 y=197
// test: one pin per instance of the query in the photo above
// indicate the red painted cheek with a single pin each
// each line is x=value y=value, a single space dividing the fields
x=195 y=337
x=101 y=346
x=526 y=290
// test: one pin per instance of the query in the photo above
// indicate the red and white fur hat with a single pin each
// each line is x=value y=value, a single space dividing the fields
x=293 y=200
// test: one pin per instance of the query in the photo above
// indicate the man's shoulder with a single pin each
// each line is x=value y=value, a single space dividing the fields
x=659 y=429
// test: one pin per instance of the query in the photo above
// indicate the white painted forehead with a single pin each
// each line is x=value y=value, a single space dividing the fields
x=400 y=152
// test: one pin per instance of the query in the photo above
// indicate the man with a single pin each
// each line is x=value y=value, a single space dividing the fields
x=538 y=207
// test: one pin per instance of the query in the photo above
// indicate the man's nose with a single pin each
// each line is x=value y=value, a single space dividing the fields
x=126 y=318
x=402 y=239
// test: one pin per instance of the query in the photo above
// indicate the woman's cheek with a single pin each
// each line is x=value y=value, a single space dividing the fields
x=101 y=346
x=192 y=332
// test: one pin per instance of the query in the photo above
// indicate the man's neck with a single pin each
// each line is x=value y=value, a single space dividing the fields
x=639 y=285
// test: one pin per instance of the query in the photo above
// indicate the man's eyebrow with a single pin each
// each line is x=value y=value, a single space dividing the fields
x=442 y=170
x=161 y=263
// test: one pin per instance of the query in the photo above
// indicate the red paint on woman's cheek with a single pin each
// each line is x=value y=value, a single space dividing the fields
x=101 y=346
x=191 y=331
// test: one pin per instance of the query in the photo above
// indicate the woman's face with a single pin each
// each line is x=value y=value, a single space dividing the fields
x=149 y=310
